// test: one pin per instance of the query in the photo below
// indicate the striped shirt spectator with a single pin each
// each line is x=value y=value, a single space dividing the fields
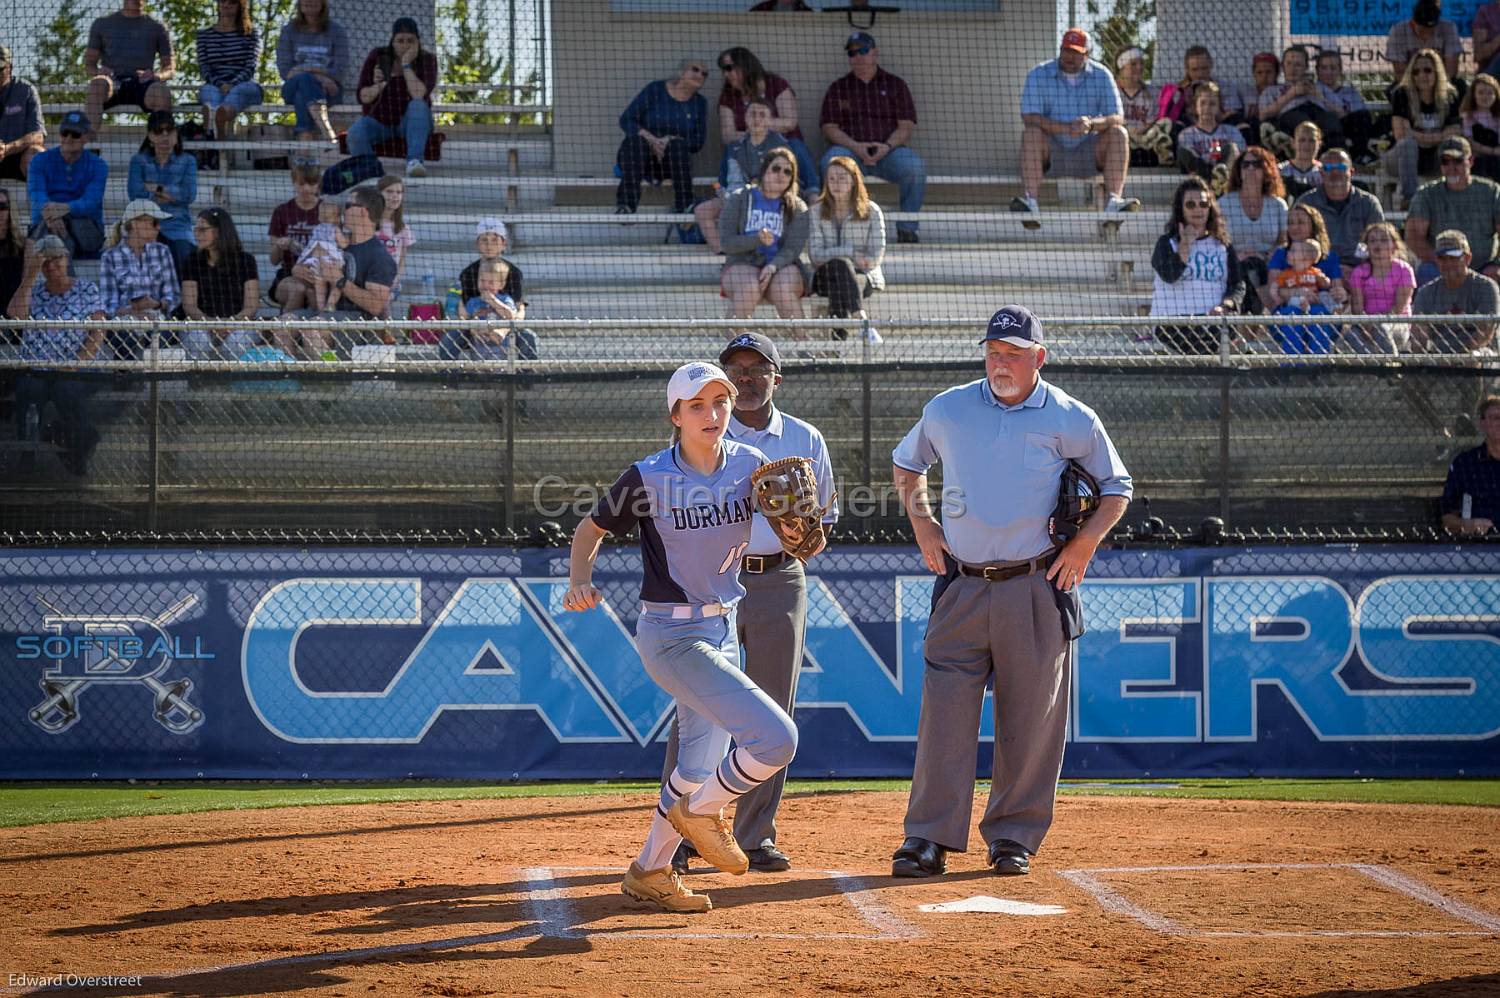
x=227 y=58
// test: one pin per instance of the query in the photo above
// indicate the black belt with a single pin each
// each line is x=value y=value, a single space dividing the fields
x=757 y=564
x=997 y=573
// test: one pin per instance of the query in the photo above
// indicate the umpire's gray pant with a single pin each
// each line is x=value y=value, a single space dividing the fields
x=772 y=627
x=1011 y=631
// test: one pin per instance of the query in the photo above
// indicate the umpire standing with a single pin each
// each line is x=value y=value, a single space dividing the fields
x=772 y=617
x=1006 y=606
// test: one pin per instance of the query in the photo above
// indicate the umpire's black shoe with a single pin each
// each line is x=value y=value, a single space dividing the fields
x=1009 y=858
x=680 y=858
x=918 y=857
x=768 y=859
x=907 y=236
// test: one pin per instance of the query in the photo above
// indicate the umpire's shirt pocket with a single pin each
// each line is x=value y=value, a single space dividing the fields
x=1039 y=452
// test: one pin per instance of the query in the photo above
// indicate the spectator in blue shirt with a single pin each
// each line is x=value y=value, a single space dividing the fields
x=664 y=126
x=1471 y=495
x=163 y=173
x=1074 y=125
x=66 y=190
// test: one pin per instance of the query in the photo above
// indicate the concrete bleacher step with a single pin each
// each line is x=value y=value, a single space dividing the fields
x=907 y=303
x=489 y=153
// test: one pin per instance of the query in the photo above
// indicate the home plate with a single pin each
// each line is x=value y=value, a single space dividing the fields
x=1001 y=906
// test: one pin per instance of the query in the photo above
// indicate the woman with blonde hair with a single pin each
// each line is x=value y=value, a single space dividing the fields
x=1424 y=112
x=763 y=230
x=846 y=242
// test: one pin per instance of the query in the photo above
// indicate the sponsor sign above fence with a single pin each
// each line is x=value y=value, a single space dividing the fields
x=435 y=663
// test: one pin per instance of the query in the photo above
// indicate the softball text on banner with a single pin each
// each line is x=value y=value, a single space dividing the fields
x=349 y=664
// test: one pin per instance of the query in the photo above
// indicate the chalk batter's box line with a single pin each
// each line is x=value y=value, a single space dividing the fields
x=1112 y=900
x=552 y=910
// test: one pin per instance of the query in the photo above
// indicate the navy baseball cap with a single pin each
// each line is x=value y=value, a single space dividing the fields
x=860 y=38
x=759 y=342
x=1015 y=325
x=75 y=121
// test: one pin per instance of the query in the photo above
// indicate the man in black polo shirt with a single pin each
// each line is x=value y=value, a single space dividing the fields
x=1471 y=496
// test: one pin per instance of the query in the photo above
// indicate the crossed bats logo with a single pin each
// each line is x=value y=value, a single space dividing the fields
x=102 y=662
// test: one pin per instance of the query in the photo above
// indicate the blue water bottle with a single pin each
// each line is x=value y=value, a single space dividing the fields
x=450 y=304
x=429 y=287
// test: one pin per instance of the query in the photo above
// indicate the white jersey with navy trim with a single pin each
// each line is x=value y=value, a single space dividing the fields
x=694 y=528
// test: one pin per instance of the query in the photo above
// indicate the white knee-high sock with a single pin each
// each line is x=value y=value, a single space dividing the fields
x=738 y=774
x=662 y=841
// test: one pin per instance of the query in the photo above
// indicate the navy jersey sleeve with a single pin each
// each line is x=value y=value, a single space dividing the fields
x=623 y=505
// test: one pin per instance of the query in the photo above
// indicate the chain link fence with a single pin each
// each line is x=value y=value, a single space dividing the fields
x=395 y=442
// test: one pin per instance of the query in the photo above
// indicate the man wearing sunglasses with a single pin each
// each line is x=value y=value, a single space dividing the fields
x=22 y=133
x=1346 y=209
x=1074 y=125
x=1459 y=201
x=66 y=190
x=869 y=116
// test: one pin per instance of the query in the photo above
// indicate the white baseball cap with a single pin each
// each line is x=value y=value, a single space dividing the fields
x=492 y=226
x=690 y=379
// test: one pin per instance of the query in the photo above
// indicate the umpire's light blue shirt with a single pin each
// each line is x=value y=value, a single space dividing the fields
x=786 y=436
x=1003 y=464
x=1049 y=94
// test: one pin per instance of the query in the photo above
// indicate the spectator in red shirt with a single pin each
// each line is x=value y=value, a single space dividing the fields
x=869 y=116
x=745 y=79
x=291 y=225
x=395 y=89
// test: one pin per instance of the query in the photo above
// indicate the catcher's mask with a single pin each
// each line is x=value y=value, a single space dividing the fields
x=1077 y=500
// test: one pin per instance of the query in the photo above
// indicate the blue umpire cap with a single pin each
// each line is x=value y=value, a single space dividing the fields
x=860 y=38
x=1015 y=325
x=759 y=342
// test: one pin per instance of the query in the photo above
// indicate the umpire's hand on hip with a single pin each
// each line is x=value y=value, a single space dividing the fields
x=1072 y=562
x=930 y=540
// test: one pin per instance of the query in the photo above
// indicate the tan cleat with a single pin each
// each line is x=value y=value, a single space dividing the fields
x=711 y=835
x=664 y=889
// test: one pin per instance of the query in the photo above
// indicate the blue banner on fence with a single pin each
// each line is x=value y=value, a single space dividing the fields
x=462 y=664
x=1370 y=17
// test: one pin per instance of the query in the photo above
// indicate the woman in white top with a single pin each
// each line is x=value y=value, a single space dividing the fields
x=1254 y=212
x=1197 y=271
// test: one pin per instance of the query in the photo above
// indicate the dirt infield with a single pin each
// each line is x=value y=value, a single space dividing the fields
x=521 y=897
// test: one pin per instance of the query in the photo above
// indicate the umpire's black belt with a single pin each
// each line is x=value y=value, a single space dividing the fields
x=1008 y=570
x=757 y=564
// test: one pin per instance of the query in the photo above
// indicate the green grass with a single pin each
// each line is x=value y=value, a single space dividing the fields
x=43 y=803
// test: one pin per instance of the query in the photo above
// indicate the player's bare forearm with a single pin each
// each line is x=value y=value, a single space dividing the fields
x=581 y=594
x=587 y=537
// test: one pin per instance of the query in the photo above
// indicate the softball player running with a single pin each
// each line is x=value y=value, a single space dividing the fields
x=694 y=505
